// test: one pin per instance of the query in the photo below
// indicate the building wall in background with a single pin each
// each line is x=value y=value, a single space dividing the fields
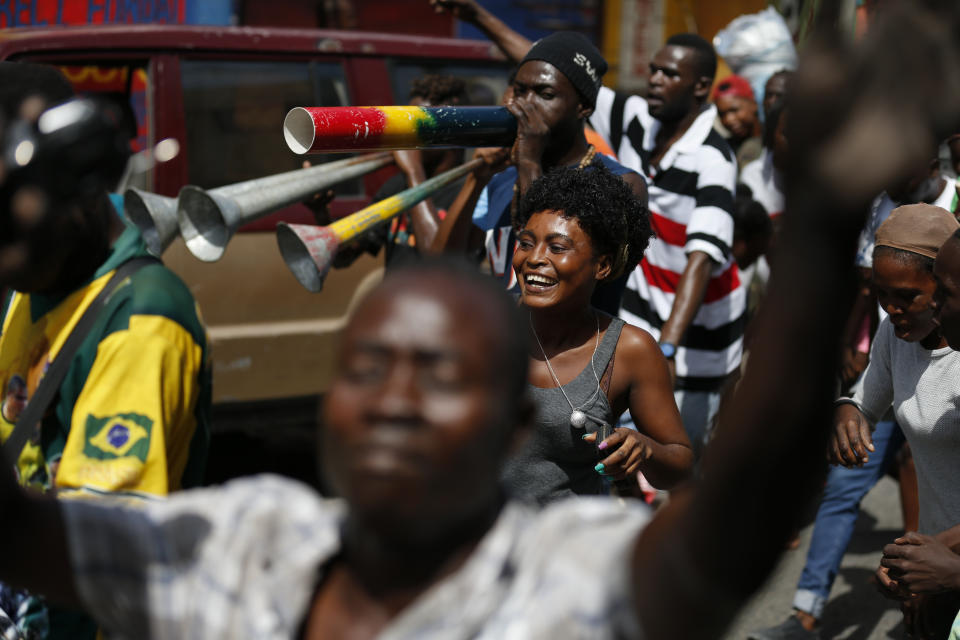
x=644 y=25
x=705 y=17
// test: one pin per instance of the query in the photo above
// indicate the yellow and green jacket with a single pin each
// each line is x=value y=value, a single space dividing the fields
x=132 y=415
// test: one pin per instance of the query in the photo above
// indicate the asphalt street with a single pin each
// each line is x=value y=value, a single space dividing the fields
x=855 y=610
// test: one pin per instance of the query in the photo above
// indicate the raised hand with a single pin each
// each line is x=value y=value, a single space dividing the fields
x=319 y=203
x=495 y=160
x=533 y=132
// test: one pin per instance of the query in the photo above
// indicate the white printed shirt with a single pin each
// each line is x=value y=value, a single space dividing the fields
x=243 y=561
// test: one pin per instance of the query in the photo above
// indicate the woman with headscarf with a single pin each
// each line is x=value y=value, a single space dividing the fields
x=737 y=112
x=912 y=370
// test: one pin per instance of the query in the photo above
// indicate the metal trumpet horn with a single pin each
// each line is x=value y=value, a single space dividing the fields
x=208 y=219
x=155 y=215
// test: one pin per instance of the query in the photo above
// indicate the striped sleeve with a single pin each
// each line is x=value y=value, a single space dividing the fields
x=711 y=224
x=603 y=113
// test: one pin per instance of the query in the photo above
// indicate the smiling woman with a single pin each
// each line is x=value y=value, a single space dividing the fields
x=575 y=229
x=911 y=367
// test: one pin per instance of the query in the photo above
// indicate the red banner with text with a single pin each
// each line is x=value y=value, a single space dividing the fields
x=39 y=13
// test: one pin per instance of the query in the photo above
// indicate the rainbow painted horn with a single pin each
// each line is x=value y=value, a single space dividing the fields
x=328 y=129
x=308 y=250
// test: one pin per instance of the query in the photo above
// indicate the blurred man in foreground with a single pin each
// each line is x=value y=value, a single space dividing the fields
x=428 y=402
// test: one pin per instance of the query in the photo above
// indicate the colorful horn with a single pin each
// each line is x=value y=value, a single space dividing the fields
x=309 y=250
x=208 y=219
x=326 y=129
x=155 y=215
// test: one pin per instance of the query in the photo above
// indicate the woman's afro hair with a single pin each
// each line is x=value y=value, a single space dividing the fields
x=602 y=204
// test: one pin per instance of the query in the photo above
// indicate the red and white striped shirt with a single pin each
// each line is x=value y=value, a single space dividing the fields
x=691 y=203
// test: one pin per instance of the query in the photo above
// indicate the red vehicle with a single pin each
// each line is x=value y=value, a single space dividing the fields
x=222 y=92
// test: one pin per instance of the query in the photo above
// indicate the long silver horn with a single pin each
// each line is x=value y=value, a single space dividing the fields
x=155 y=215
x=208 y=219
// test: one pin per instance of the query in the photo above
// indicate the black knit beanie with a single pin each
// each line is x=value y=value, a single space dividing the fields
x=576 y=57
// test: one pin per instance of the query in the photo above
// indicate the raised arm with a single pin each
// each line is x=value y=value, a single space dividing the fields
x=707 y=552
x=513 y=45
x=457 y=232
x=423 y=215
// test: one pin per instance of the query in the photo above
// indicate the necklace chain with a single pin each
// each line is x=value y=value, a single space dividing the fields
x=587 y=157
x=577 y=416
x=553 y=374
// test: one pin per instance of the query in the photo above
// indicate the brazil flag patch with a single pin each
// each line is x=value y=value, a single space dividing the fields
x=122 y=435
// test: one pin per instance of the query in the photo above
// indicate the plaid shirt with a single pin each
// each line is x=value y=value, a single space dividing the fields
x=243 y=561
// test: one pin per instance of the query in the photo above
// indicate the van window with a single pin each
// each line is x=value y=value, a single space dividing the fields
x=485 y=83
x=234 y=116
x=125 y=84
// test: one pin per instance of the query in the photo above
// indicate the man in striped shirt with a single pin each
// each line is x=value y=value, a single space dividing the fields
x=686 y=291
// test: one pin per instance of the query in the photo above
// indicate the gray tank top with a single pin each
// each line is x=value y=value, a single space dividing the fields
x=556 y=463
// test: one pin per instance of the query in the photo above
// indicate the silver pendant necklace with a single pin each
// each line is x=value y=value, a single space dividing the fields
x=578 y=418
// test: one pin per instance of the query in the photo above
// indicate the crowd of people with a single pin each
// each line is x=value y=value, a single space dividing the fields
x=559 y=333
